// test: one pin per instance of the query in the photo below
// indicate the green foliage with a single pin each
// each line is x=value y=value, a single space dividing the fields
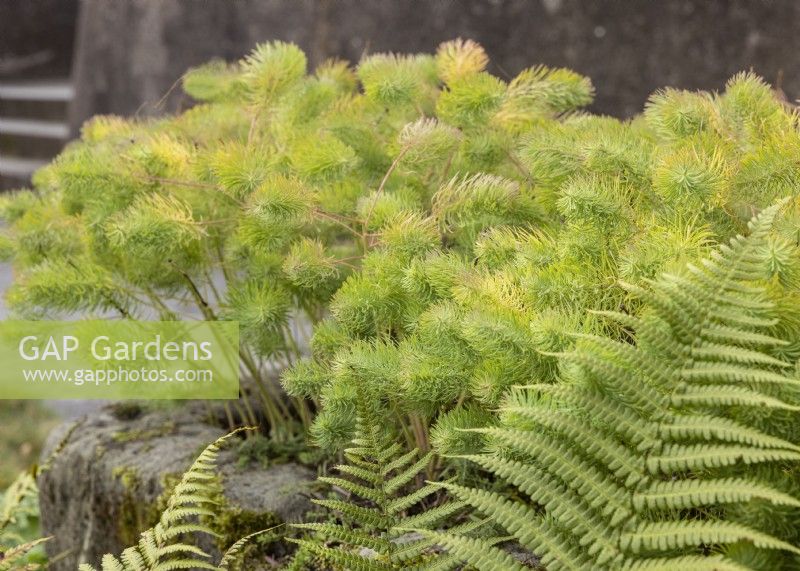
x=673 y=450
x=485 y=250
x=17 y=506
x=381 y=483
x=459 y=58
x=271 y=69
x=397 y=80
x=19 y=514
x=266 y=198
x=444 y=233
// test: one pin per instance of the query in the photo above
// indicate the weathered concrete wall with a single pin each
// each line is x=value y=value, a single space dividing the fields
x=37 y=37
x=130 y=53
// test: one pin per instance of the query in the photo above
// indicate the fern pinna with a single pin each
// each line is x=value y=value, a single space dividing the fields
x=163 y=547
x=373 y=533
x=654 y=454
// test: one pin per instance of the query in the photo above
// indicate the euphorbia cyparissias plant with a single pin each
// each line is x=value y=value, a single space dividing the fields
x=257 y=203
x=531 y=212
x=439 y=229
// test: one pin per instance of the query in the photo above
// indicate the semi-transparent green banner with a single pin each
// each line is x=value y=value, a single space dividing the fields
x=119 y=360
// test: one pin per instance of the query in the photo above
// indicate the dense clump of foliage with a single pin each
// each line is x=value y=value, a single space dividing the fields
x=256 y=205
x=678 y=450
x=531 y=220
x=439 y=226
x=410 y=242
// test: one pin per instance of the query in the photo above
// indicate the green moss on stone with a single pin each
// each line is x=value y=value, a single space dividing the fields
x=233 y=523
x=144 y=433
x=135 y=514
x=130 y=518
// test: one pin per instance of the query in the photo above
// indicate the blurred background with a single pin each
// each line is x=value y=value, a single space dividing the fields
x=62 y=61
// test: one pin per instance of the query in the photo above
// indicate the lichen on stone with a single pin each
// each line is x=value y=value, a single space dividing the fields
x=144 y=433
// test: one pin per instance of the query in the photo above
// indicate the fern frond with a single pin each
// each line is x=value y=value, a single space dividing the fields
x=683 y=494
x=695 y=563
x=619 y=459
x=132 y=559
x=381 y=472
x=401 y=504
x=430 y=518
x=601 y=491
x=669 y=535
x=363 y=491
x=401 y=479
x=233 y=553
x=350 y=536
x=343 y=558
x=370 y=517
x=478 y=552
x=708 y=427
x=162 y=547
x=14 y=558
x=679 y=457
x=539 y=535
x=729 y=395
x=641 y=433
x=566 y=509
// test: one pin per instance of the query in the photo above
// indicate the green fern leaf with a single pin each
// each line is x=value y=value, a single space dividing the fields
x=385 y=471
x=696 y=563
x=343 y=558
x=668 y=535
x=683 y=494
x=480 y=553
x=679 y=457
x=657 y=453
x=707 y=427
x=728 y=395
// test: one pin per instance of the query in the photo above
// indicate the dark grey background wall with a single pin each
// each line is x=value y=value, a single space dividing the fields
x=36 y=37
x=130 y=52
x=127 y=53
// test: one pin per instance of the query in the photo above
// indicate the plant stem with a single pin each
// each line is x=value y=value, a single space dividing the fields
x=365 y=227
x=274 y=416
